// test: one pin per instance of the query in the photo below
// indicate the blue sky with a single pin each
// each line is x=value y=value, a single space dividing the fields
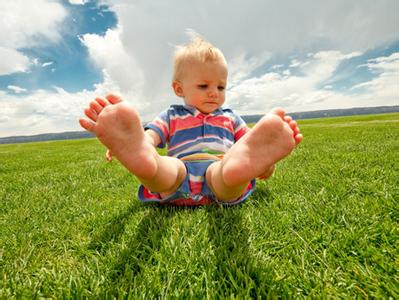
x=305 y=55
x=65 y=63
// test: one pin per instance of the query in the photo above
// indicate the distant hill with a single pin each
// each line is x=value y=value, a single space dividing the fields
x=332 y=113
x=70 y=135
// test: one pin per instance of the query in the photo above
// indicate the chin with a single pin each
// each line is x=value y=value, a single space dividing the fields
x=209 y=110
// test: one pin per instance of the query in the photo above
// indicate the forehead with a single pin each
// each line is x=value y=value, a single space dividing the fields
x=211 y=70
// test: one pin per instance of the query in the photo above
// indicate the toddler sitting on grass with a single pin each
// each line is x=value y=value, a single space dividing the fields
x=212 y=155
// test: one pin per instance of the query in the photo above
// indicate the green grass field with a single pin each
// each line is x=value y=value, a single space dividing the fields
x=325 y=225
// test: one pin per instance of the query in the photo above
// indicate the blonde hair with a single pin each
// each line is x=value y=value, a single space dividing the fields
x=198 y=50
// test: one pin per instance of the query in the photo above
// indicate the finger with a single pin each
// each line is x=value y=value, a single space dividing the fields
x=86 y=124
x=113 y=98
x=94 y=105
x=91 y=114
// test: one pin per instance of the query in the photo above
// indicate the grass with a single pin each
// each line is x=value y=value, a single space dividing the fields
x=326 y=224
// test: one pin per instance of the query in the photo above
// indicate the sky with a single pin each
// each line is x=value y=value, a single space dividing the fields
x=57 y=56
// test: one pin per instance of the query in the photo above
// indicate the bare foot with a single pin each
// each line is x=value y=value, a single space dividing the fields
x=270 y=140
x=117 y=125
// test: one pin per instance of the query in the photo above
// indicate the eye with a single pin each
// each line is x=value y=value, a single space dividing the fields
x=221 y=88
x=202 y=86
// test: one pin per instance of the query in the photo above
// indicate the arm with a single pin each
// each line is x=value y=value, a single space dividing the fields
x=152 y=137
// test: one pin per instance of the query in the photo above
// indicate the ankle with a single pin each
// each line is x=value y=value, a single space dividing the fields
x=224 y=190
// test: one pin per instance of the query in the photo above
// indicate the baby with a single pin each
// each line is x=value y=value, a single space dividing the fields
x=212 y=155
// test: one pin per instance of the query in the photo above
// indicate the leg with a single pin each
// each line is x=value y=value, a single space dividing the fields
x=118 y=126
x=255 y=154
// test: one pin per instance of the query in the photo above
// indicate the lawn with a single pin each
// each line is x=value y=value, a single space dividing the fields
x=325 y=225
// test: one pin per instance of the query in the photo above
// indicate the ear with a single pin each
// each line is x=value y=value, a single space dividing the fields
x=178 y=88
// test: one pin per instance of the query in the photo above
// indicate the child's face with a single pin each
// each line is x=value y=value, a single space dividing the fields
x=203 y=85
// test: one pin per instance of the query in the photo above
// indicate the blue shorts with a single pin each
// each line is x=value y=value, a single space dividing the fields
x=194 y=189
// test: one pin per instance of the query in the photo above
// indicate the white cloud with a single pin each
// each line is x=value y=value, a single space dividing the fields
x=46 y=64
x=386 y=84
x=16 y=89
x=307 y=91
x=249 y=35
x=109 y=53
x=28 y=23
x=12 y=61
x=385 y=63
x=320 y=66
x=78 y=2
x=120 y=68
x=58 y=111
x=241 y=67
x=47 y=111
x=42 y=112
x=24 y=24
x=267 y=25
x=136 y=57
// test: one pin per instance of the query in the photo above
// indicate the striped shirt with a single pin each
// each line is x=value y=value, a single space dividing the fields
x=187 y=131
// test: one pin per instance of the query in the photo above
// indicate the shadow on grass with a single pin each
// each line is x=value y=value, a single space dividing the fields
x=236 y=269
x=129 y=250
x=138 y=254
x=113 y=230
x=237 y=272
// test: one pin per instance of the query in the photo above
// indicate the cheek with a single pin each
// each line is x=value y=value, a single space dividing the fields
x=196 y=95
x=201 y=94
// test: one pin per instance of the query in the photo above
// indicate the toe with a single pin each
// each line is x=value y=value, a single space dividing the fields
x=113 y=98
x=91 y=114
x=94 y=105
x=288 y=119
x=102 y=101
x=298 y=138
x=278 y=111
x=293 y=125
x=89 y=126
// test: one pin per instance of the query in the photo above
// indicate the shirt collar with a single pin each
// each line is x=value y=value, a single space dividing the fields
x=194 y=111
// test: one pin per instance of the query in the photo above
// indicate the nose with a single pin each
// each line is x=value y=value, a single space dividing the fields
x=213 y=93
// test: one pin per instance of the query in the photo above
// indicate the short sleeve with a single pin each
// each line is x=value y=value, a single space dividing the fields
x=161 y=126
x=240 y=127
